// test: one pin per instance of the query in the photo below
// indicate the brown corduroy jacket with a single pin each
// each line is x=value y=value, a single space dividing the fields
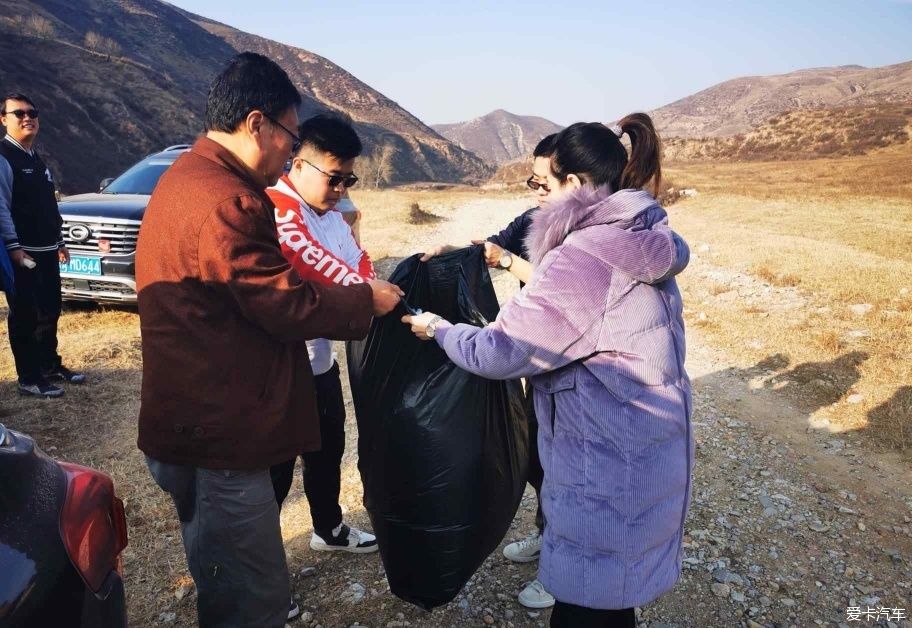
x=226 y=379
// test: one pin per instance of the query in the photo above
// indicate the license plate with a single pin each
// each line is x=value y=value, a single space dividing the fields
x=82 y=265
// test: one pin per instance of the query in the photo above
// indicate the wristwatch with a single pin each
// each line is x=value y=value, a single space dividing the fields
x=431 y=328
x=506 y=260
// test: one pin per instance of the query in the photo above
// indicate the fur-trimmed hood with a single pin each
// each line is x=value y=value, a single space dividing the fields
x=588 y=206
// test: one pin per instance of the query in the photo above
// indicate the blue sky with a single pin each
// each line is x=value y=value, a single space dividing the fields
x=570 y=60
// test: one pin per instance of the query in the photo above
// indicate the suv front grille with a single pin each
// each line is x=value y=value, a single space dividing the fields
x=112 y=290
x=122 y=235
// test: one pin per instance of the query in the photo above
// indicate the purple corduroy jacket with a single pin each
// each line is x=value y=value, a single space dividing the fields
x=600 y=335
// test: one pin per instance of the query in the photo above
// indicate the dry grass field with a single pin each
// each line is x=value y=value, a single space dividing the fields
x=799 y=275
x=805 y=134
x=810 y=261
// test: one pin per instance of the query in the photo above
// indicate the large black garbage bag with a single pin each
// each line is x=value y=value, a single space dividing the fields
x=443 y=454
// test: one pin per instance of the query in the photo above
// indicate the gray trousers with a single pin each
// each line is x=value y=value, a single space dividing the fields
x=233 y=543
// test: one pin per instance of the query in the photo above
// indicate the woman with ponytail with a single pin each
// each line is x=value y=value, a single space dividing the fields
x=600 y=335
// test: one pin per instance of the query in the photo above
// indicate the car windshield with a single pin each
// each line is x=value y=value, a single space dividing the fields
x=140 y=179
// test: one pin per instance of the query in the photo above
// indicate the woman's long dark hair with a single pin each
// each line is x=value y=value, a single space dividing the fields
x=595 y=154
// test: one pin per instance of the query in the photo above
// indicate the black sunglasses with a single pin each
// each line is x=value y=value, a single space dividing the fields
x=22 y=113
x=347 y=180
x=296 y=141
x=535 y=185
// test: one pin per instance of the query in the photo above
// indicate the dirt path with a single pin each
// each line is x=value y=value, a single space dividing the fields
x=789 y=525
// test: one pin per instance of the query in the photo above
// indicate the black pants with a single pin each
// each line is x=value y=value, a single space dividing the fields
x=567 y=615
x=322 y=469
x=33 y=314
x=536 y=473
x=233 y=543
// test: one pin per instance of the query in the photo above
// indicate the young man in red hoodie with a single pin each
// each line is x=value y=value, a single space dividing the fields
x=320 y=245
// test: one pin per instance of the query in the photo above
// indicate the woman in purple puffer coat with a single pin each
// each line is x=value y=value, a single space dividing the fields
x=600 y=335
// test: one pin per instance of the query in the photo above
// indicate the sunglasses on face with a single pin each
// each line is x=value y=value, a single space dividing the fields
x=535 y=185
x=346 y=180
x=295 y=140
x=22 y=113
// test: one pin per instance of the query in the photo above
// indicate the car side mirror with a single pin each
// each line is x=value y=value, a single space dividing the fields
x=105 y=183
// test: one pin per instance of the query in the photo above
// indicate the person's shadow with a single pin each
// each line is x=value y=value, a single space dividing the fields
x=811 y=385
x=895 y=416
x=815 y=385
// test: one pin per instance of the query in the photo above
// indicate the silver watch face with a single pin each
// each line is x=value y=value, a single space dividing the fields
x=506 y=260
x=429 y=330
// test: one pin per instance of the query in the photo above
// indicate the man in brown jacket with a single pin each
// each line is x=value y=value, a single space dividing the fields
x=227 y=385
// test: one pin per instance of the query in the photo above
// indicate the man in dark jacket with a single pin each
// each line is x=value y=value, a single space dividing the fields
x=227 y=386
x=30 y=228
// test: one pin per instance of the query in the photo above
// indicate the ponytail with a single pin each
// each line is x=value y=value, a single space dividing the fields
x=645 y=162
x=594 y=153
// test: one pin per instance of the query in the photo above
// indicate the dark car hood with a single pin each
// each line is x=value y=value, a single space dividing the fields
x=125 y=206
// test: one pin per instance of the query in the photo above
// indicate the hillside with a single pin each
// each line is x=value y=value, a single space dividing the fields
x=119 y=79
x=400 y=147
x=804 y=134
x=500 y=136
x=791 y=135
x=513 y=174
x=738 y=105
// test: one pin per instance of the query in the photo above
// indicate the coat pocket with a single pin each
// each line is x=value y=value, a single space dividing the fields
x=550 y=386
x=616 y=382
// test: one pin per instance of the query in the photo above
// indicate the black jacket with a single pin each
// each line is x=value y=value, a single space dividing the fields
x=513 y=237
x=33 y=205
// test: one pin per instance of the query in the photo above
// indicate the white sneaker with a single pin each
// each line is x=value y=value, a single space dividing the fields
x=345 y=539
x=535 y=596
x=524 y=551
x=293 y=610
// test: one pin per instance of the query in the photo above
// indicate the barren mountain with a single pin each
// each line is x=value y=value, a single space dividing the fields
x=500 y=136
x=119 y=79
x=738 y=105
x=400 y=147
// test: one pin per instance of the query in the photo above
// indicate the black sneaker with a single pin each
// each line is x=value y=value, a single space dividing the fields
x=40 y=389
x=293 y=610
x=64 y=374
x=345 y=539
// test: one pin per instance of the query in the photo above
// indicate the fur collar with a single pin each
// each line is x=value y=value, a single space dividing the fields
x=586 y=207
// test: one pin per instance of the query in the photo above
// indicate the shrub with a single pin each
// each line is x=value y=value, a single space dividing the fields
x=418 y=216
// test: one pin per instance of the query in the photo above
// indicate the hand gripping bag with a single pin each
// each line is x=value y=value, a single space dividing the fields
x=443 y=454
